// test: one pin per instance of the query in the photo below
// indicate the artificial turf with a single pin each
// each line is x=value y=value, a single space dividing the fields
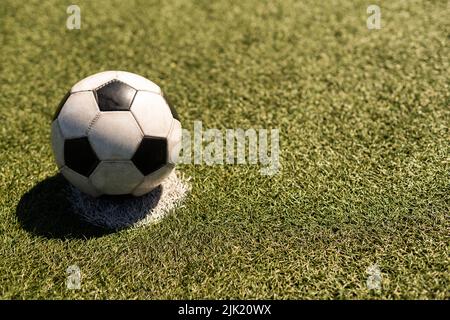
x=364 y=121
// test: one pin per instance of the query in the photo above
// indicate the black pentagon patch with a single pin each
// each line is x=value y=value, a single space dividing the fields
x=150 y=155
x=61 y=105
x=172 y=108
x=115 y=96
x=79 y=156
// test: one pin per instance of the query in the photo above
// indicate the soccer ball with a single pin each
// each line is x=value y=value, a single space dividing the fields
x=114 y=133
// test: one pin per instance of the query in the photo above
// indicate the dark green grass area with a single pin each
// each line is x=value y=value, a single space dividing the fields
x=364 y=121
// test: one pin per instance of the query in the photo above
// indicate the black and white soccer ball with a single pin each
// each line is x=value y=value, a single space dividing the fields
x=114 y=133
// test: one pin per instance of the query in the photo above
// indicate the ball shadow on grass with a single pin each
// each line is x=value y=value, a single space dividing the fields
x=45 y=211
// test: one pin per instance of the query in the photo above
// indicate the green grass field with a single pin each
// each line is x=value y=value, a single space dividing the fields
x=364 y=120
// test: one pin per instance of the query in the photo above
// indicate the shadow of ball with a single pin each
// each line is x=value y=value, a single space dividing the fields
x=119 y=212
x=45 y=211
x=55 y=209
